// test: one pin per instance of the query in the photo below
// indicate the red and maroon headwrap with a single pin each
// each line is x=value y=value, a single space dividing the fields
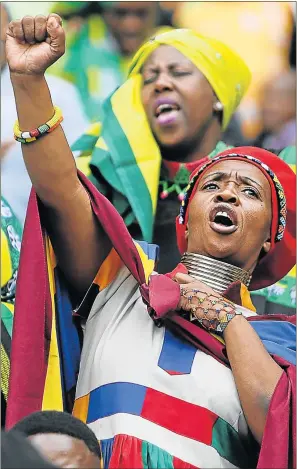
x=282 y=255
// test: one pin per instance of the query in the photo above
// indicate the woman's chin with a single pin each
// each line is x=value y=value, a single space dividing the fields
x=224 y=253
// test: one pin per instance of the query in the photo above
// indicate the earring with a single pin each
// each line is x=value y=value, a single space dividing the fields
x=218 y=106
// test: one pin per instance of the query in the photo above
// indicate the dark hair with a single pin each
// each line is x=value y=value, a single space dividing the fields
x=18 y=453
x=52 y=421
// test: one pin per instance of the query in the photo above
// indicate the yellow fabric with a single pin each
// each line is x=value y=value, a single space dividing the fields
x=246 y=298
x=260 y=32
x=143 y=145
x=80 y=408
x=52 y=396
x=6 y=267
x=5 y=371
x=226 y=72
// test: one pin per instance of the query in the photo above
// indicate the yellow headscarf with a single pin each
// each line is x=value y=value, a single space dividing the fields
x=226 y=72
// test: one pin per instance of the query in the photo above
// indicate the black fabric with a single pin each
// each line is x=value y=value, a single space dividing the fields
x=165 y=233
x=18 y=453
x=3 y=410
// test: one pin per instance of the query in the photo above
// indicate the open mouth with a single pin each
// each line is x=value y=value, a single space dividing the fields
x=223 y=221
x=222 y=218
x=166 y=112
x=166 y=109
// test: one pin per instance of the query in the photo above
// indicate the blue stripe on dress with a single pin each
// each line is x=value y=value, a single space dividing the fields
x=115 y=398
x=106 y=448
x=177 y=356
x=279 y=338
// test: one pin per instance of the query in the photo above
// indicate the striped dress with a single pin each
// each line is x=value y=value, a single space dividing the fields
x=153 y=400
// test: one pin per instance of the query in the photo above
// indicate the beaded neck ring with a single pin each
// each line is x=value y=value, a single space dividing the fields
x=282 y=207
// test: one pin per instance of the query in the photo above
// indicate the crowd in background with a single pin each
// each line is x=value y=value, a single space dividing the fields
x=102 y=38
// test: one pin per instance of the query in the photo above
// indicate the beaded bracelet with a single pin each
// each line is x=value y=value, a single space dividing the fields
x=211 y=311
x=32 y=135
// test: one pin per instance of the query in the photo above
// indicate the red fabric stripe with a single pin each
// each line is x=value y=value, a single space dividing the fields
x=278 y=449
x=197 y=422
x=179 y=464
x=32 y=324
x=126 y=453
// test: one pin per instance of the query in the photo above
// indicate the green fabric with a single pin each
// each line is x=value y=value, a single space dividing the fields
x=288 y=155
x=228 y=444
x=13 y=231
x=153 y=456
x=134 y=186
x=7 y=318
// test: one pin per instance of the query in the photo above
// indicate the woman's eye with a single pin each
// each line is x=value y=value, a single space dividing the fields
x=180 y=73
x=251 y=192
x=148 y=79
x=210 y=186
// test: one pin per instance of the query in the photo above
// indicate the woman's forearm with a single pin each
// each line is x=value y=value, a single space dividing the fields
x=78 y=240
x=49 y=160
x=255 y=373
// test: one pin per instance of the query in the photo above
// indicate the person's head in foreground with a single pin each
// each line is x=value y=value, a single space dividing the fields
x=240 y=208
x=190 y=86
x=61 y=438
x=18 y=453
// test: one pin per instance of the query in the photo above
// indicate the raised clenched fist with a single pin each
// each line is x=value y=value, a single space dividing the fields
x=33 y=44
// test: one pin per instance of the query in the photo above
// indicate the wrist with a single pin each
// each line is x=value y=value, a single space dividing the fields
x=233 y=324
x=27 y=81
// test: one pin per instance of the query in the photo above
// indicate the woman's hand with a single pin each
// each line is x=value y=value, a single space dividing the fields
x=33 y=44
x=206 y=306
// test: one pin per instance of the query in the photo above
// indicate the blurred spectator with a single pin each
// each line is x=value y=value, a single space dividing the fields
x=260 y=32
x=18 y=453
x=15 y=182
x=102 y=37
x=62 y=439
x=279 y=112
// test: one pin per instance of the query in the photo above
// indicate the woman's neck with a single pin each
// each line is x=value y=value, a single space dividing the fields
x=203 y=144
x=216 y=274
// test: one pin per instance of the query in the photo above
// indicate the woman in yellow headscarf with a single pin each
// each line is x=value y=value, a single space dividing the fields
x=180 y=95
x=181 y=92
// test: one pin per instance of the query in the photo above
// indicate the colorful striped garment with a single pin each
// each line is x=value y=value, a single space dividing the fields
x=150 y=396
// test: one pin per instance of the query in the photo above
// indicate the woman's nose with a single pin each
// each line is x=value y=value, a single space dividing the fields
x=227 y=195
x=163 y=83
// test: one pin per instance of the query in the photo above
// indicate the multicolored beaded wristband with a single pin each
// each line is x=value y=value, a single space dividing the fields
x=32 y=135
x=213 y=312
